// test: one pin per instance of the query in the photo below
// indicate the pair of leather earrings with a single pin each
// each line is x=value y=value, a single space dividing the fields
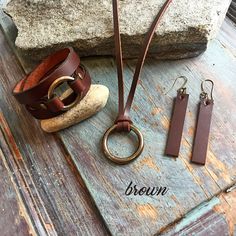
x=203 y=122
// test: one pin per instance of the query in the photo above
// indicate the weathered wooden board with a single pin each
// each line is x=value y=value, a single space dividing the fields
x=214 y=217
x=188 y=184
x=61 y=203
x=232 y=11
x=68 y=203
x=218 y=64
x=13 y=211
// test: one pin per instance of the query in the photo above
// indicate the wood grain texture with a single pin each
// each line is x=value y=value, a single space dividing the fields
x=232 y=11
x=13 y=211
x=62 y=203
x=214 y=217
x=68 y=203
x=189 y=184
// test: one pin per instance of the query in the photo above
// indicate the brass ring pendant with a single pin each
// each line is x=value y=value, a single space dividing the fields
x=55 y=84
x=117 y=159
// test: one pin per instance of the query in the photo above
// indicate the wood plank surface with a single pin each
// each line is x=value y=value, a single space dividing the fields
x=188 y=184
x=13 y=212
x=67 y=199
x=214 y=217
x=232 y=11
x=28 y=196
x=62 y=204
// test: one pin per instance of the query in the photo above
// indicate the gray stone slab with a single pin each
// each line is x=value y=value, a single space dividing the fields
x=45 y=25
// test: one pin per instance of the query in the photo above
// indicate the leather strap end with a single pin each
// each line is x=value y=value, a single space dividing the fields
x=77 y=86
x=123 y=123
x=55 y=104
x=123 y=126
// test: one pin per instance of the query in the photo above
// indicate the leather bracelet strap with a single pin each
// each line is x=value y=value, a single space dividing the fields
x=32 y=91
x=123 y=120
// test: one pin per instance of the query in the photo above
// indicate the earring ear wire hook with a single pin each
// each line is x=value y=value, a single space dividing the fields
x=204 y=94
x=182 y=89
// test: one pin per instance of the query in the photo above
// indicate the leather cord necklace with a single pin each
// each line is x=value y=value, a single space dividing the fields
x=123 y=121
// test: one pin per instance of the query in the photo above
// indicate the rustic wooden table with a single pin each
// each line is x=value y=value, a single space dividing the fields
x=61 y=184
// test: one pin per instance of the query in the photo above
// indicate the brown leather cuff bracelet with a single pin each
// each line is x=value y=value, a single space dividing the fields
x=36 y=91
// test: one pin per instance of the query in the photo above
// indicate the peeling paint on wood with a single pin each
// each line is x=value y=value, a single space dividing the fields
x=190 y=185
x=199 y=211
x=227 y=208
x=214 y=217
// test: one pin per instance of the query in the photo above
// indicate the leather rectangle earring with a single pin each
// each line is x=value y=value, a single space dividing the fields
x=177 y=121
x=202 y=132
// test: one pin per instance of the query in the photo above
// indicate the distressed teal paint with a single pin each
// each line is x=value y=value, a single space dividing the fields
x=196 y=213
x=189 y=185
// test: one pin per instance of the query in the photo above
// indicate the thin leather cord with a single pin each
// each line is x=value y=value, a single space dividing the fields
x=119 y=56
x=124 y=110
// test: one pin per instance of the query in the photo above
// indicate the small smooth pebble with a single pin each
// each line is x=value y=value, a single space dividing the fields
x=93 y=102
